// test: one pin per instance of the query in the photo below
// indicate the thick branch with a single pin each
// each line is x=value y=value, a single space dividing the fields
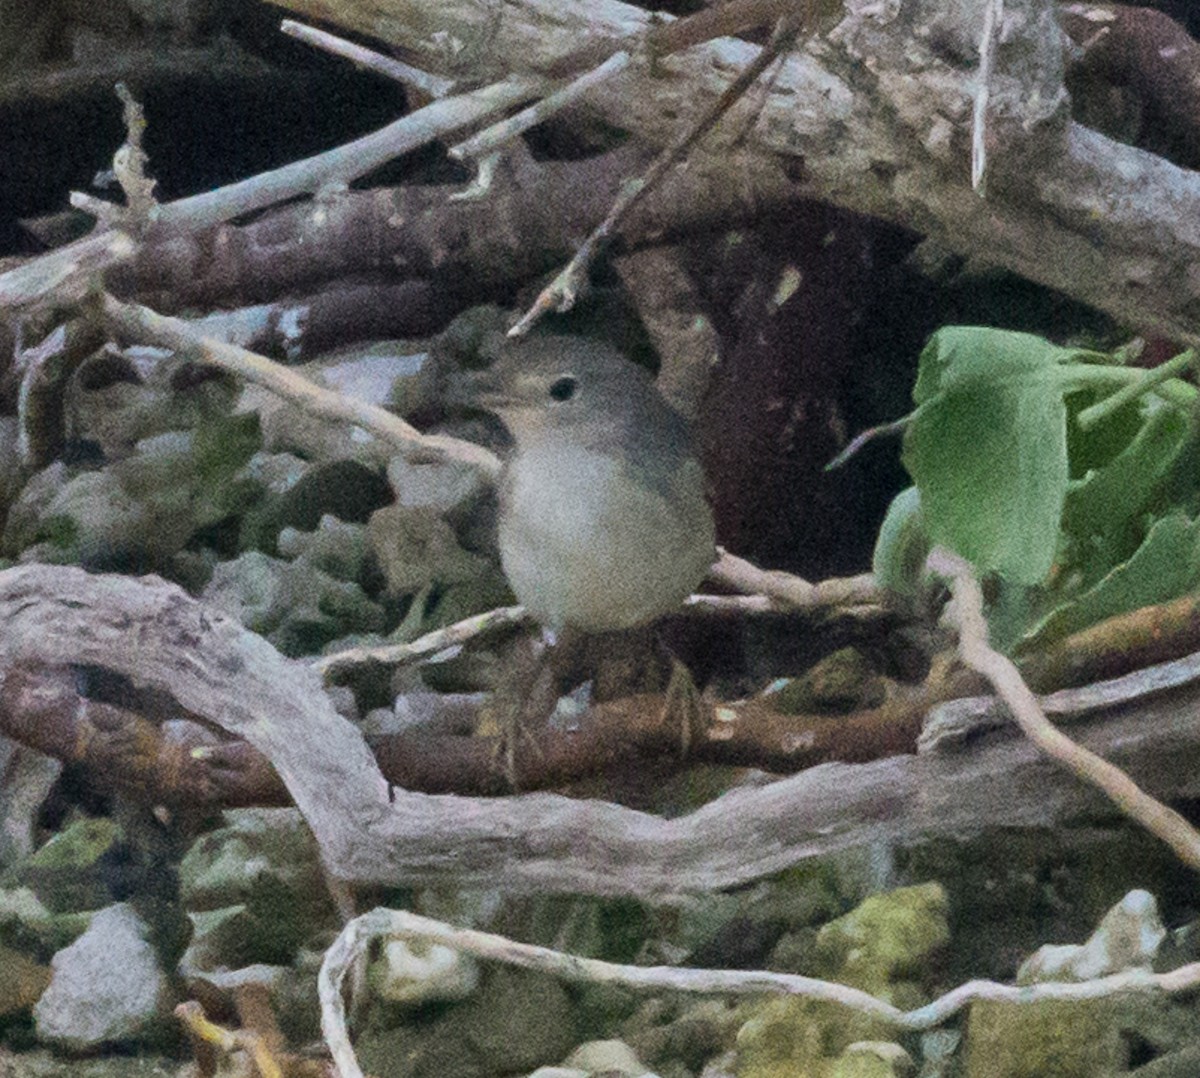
x=163 y=639
x=878 y=119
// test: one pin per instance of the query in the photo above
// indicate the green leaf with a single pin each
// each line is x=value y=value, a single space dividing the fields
x=964 y=356
x=987 y=445
x=902 y=546
x=1106 y=499
x=991 y=465
x=221 y=446
x=1166 y=565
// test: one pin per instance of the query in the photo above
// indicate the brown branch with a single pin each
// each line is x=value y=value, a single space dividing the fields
x=123 y=751
x=212 y=667
x=455 y=245
x=64 y=273
x=561 y=293
x=1118 y=645
x=1149 y=51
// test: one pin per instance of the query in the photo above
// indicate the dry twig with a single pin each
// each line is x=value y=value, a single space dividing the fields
x=494 y=137
x=388 y=66
x=216 y=669
x=145 y=325
x=967 y=613
x=330 y=666
x=358 y=935
x=65 y=272
x=562 y=292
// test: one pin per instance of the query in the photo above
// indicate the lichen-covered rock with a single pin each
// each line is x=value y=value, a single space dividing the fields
x=67 y=873
x=296 y=606
x=259 y=885
x=841 y=682
x=1048 y=1039
x=26 y=924
x=517 y=1021
x=1088 y=1037
x=22 y=983
x=117 y=399
x=610 y=1057
x=886 y=939
x=106 y=987
x=416 y=548
x=873 y=1059
x=794 y=1036
x=875 y=947
x=135 y=513
x=413 y=972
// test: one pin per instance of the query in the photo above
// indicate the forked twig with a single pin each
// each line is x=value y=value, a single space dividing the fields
x=562 y=292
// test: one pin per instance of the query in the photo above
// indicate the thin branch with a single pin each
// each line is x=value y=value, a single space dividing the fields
x=213 y=667
x=381 y=923
x=791 y=592
x=143 y=324
x=967 y=612
x=494 y=137
x=992 y=15
x=433 y=85
x=65 y=271
x=856 y=443
x=562 y=292
x=330 y=666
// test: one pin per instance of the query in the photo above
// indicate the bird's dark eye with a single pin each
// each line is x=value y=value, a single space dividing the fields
x=563 y=389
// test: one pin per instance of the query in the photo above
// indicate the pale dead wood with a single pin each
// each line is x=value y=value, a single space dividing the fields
x=162 y=638
x=355 y=939
x=966 y=613
x=147 y=326
x=877 y=117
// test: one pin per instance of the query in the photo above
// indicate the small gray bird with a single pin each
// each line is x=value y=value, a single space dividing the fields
x=603 y=519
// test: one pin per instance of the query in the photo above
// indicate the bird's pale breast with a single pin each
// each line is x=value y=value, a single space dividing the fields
x=582 y=546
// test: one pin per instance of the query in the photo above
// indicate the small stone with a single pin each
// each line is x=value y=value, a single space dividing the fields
x=842 y=682
x=888 y=935
x=873 y=1059
x=415 y=972
x=519 y=1020
x=416 y=548
x=611 y=1057
x=1128 y=937
x=106 y=987
x=23 y=982
x=265 y=861
x=67 y=873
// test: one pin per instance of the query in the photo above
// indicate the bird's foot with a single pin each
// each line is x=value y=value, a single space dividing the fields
x=682 y=704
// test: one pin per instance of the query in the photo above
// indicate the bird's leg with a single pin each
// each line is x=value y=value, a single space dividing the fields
x=637 y=660
x=524 y=700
